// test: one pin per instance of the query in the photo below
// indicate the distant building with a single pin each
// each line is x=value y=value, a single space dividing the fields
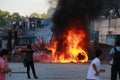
x=107 y=30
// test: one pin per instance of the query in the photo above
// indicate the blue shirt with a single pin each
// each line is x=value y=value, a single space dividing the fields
x=112 y=51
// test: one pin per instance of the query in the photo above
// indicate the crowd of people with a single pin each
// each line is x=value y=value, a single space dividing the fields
x=29 y=23
x=112 y=13
x=15 y=24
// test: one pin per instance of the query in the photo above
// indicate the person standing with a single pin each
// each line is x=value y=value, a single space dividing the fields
x=94 y=68
x=4 y=68
x=29 y=61
x=115 y=53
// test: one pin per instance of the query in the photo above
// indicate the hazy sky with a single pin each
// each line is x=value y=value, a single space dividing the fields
x=24 y=7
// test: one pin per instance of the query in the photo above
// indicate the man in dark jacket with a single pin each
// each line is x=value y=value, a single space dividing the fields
x=29 y=61
x=115 y=53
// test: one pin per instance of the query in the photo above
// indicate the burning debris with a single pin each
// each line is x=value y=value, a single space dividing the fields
x=70 y=29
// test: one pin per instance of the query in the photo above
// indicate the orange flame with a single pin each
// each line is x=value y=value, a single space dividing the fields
x=74 y=51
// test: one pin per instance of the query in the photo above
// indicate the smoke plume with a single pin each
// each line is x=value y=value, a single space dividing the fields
x=68 y=10
x=73 y=14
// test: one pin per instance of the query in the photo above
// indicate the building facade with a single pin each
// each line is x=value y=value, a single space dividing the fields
x=108 y=30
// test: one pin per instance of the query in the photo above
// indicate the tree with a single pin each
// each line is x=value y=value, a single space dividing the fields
x=34 y=15
x=43 y=15
x=16 y=16
x=3 y=18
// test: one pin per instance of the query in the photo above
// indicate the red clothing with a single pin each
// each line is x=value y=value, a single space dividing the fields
x=2 y=66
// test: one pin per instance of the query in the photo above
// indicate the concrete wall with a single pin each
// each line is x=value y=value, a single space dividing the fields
x=106 y=27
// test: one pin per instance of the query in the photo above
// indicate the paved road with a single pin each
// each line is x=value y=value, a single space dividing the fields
x=51 y=71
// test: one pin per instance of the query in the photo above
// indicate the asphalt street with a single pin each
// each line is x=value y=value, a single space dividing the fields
x=55 y=71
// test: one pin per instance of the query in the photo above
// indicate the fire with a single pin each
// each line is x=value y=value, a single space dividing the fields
x=73 y=47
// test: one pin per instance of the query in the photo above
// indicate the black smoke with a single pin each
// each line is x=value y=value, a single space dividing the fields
x=69 y=12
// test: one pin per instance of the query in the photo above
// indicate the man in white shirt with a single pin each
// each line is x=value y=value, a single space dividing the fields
x=94 y=68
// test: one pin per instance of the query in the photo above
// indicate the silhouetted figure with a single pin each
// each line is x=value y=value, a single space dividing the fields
x=29 y=61
x=115 y=53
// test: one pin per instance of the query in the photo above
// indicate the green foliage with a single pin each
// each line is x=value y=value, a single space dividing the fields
x=15 y=16
x=6 y=18
x=43 y=15
x=35 y=15
x=3 y=18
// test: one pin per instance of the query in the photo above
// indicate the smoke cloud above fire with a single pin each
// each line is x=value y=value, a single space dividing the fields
x=70 y=21
x=68 y=10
